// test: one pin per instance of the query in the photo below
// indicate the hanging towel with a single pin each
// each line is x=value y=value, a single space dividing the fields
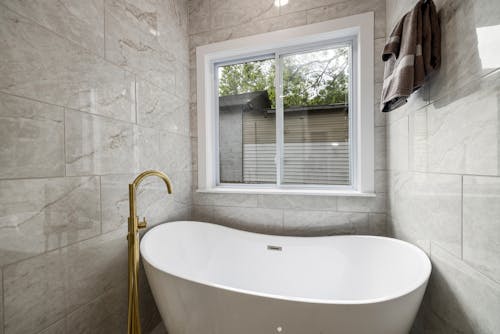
x=411 y=55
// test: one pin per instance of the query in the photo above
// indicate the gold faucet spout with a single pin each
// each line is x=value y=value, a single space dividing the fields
x=133 y=187
x=134 y=326
x=157 y=173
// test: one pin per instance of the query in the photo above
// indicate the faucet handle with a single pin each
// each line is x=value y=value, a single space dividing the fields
x=142 y=224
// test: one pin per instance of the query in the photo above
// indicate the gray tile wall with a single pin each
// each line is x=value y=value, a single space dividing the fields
x=91 y=93
x=444 y=177
x=217 y=20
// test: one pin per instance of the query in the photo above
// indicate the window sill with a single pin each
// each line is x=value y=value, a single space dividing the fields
x=282 y=191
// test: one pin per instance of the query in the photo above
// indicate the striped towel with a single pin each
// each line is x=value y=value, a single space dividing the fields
x=411 y=55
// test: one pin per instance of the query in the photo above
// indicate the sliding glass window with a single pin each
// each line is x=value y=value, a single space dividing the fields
x=285 y=118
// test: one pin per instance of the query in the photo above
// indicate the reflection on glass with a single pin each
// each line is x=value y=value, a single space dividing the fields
x=247 y=123
x=316 y=117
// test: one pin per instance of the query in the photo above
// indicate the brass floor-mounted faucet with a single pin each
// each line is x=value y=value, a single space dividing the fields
x=134 y=320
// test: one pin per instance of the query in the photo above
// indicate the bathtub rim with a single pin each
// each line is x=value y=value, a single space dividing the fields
x=401 y=294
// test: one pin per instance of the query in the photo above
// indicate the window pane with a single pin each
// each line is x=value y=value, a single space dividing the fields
x=316 y=117
x=247 y=122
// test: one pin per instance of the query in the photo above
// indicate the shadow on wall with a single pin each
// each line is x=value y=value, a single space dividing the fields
x=429 y=321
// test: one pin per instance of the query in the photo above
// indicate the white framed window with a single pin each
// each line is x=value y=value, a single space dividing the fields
x=289 y=111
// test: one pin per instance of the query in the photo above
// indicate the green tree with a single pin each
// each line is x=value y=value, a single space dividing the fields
x=316 y=78
x=248 y=77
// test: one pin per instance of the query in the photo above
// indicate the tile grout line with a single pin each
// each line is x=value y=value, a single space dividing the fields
x=100 y=204
x=3 y=300
x=90 y=51
x=64 y=144
x=279 y=15
x=53 y=323
x=2 y=267
x=462 y=218
x=104 y=28
x=469 y=266
x=80 y=175
x=67 y=109
x=136 y=102
x=411 y=166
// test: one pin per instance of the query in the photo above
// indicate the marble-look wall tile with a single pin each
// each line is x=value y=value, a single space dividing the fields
x=464 y=300
x=395 y=11
x=141 y=15
x=453 y=130
x=417 y=150
x=34 y=293
x=38 y=64
x=416 y=101
x=463 y=131
x=32 y=138
x=380 y=181
x=380 y=117
x=105 y=314
x=378 y=63
x=240 y=200
x=267 y=25
x=199 y=16
x=427 y=207
x=259 y=26
x=182 y=184
x=298 y=202
x=481 y=224
x=252 y=219
x=193 y=115
x=173 y=29
x=94 y=267
x=1 y=302
x=180 y=212
x=58 y=328
x=467 y=29
x=160 y=329
x=194 y=155
x=377 y=224
x=228 y=13
x=297 y=6
x=375 y=204
x=61 y=275
x=208 y=37
x=96 y=145
x=182 y=84
x=203 y=213
x=82 y=22
x=39 y=215
x=159 y=109
x=378 y=96
x=147 y=148
x=348 y=8
x=138 y=51
x=397 y=145
x=176 y=152
x=310 y=223
x=380 y=148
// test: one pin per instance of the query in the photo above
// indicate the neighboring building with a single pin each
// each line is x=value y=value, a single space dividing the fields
x=316 y=141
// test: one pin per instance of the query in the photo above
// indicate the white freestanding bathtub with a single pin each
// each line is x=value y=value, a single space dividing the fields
x=210 y=279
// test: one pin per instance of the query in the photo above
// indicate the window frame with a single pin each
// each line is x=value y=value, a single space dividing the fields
x=357 y=29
